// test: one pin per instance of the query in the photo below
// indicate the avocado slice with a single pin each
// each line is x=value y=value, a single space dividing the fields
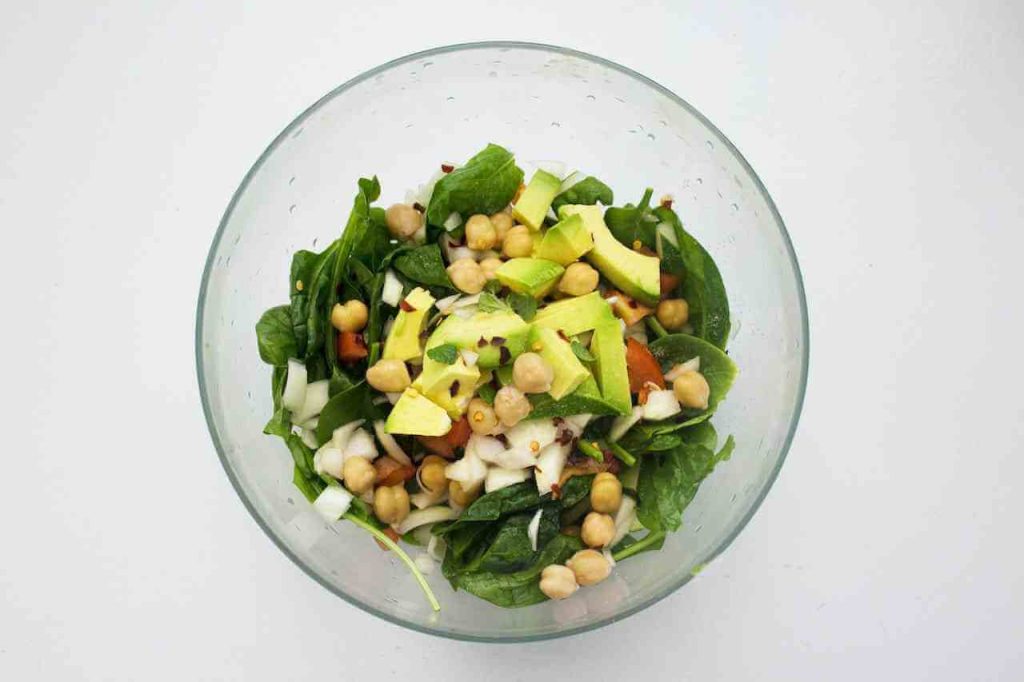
x=612 y=375
x=403 y=342
x=437 y=381
x=536 y=199
x=532 y=276
x=557 y=352
x=566 y=241
x=634 y=273
x=575 y=315
x=415 y=415
x=479 y=334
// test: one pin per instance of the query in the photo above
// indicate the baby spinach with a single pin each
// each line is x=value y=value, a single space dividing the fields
x=446 y=353
x=302 y=265
x=493 y=506
x=309 y=307
x=631 y=223
x=589 y=190
x=669 y=481
x=659 y=436
x=309 y=487
x=485 y=184
x=489 y=303
x=586 y=399
x=344 y=407
x=280 y=423
x=511 y=549
x=576 y=490
x=423 y=265
x=715 y=365
x=274 y=336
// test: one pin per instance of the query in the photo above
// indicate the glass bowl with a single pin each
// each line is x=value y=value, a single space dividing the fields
x=400 y=121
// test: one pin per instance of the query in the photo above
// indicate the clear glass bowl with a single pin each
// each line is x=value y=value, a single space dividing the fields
x=400 y=121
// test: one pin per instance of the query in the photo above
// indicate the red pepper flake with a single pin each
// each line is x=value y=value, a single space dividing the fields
x=631 y=303
x=666 y=202
x=481 y=343
x=564 y=437
x=454 y=389
x=419 y=207
x=497 y=340
x=562 y=335
x=447 y=168
x=556 y=491
x=406 y=306
x=502 y=438
x=504 y=355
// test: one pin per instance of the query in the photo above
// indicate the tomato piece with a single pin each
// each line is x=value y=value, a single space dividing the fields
x=459 y=434
x=642 y=367
x=391 y=533
x=391 y=472
x=438 y=445
x=669 y=282
x=351 y=347
x=627 y=309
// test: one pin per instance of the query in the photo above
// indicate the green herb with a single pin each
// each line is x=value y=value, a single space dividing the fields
x=275 y=337
x=621 y=454
x=590 y=451
x=589 y=190
x=524 y=305
x=715 y=365
x=486 y=392
x=489 y=303
x=581 y=351
x=423 y=265
x=446 y=353
x=485 y=184
x=632 y=223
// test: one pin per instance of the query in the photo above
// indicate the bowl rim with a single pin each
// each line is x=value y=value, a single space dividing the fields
x=559 y=50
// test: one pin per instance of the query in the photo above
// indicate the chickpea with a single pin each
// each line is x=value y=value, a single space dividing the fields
x=403 y=221
x=502 y=224
x=673 y=313
x=692 y=390
x=518 y=242
x=431 y=474
x=389 y=376
x=350 y=317
x=511 y=405
x=467 y=276
x=590 y=566
x=531 y=374
x=558 y=582
x=605 y=493
x=391 y=504
x=490 y=267
x=461 y=496
x=480 y=233
x=481 y=417
x=359 y=474
x=598 y=529
x=579 y=279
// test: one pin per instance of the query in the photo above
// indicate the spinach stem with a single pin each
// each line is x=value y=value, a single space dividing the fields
x=374 y=353
x=590 y=451
x=656 y=327
x=400 y=553
x=622 y=454
x=637 y=547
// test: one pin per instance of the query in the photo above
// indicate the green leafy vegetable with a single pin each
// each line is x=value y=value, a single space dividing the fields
x=586 y=399
x=589 y=190
x=497 y=504
x=659 y=436
x=581 y=351
x=446 y=353
x=280 y=423
x=715 y=365
x=486 y=392
x=630 y=546
x=524 y=305
x=274 y=336
x=576 y=490
x=669 y=481
x=485 y=184
x=345 y=407
x=511 y=549
x=302 y=265
x=489 y=303
x=423 y=265
x=631 y=223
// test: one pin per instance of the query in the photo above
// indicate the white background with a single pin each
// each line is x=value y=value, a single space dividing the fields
x=887 y=132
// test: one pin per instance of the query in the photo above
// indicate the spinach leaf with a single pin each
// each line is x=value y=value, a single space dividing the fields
x=348 y=405
x=446 y=353
x=310 y=488
x=302 y=265
x=521 y=588
x=511 y=549
x=702 y=285
x=630 y=546
x=715 y=365
x=586 y=399
x=486 y=392
x=280 y=423
x=302 y=454
x=589 y=190
x=313 y=306
x=274 y=336
x=631 y=223
x=575 y=490
x=658 y=436
x=580 y=351
x=669 y=481
x=423 y=265
x=493 y=506
x=524 y=305
x=486 y=184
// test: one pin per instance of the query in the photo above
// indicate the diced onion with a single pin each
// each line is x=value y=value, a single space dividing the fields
x=424 y=499
x=422 y=516
x=624 y=518
x=498 y=478
x=469 y=357
x=447 y=303
x=467 y=301
x=310 y=424
x=578 y=422
x=436 y=547
x=470 y=471
x=295 y=386
x=317 y=396
x=463 y=313
x=518 y=457
x=484 y=447
x=389 y=444
x=452 y=221
x=361 y=445
x=549 y=466
x=668 y=233
x=329 y=460
x=556 y=168
x=333 y=502
x=661 y=405
x=539 y=431
x=341 y=435
x=533 y=529
x=391 y=292
x=308 y=437
x=425 y=563
x=691 y=365
x=572 y=180
x=624 y=423
x=393 y=397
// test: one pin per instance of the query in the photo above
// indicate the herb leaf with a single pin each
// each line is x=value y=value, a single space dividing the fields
x=485 y=184
x=524 y=305
x=446 y=353
x=489 y=303
x=589 y=190
x=275 y=336
x=581 y=351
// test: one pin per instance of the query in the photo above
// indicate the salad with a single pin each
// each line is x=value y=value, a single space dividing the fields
x=514 y=379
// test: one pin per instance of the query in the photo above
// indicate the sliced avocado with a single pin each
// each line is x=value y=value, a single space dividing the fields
x=532 y=276
x=557 y=352
x=403 y=342
x=612 y=375
x=575 y=315
x=415 y=415
x=485 y=334
x=536 y=199
x=566 y=241
x=450 y=386
x=634 y=273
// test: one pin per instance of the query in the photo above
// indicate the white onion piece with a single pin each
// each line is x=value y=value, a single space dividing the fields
x=571 y=180
x=308 y=437
x=446 y=304
x=484 y=447
x=422 y=516
x=668 y=233
x=425 y=563
x=548 y=468
x=393 y=397
x=424 y=499
x=467 y=301
x=533 y=529
x=295 y=386
x=422 y=534
x=389 y=444
x=469 y=357
x=578 y=422
x=329 y=460
x=624 y=518
x=551 y=214
x=556 y=168
x=464 y=313
x=623 y=424
x=691 y=365
x=516 y=458
x=391 y=292
x=452 y=221
x=661 y=405
x=436 y=547
x=317 y=396
x=361 y=445
x=608 y=557
x=333 y=502
x=341 y=434
x=612 y=300
x=310 y=424
x=470 y=471
x=498 y=478
x=526 y=433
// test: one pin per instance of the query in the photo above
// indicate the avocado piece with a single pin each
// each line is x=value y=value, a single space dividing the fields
x=634 y=273
x=403 y=342
x=479 y=334
x=575 y=315
x=557 y=352
x=610 y=369
x=566 y=241
x=416 y=415
x=532 y=276
x=437 y=381
x=533 y=204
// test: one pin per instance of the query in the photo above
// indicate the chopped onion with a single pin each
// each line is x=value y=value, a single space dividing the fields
x=549 y=466
x=389 y=444
x=578 y=422
x=310 y=424
x=608 y=557
x=424 y=499
x=612 y=300
x=623 y=424
x=341 y=435
x=361 y=445
x=391 y=292
x=436 y=547
x=556 y=168
x=526 y=433
x=533 y=529
x=425 y=563
x=422 y=516
x=333 y=502
x=452 y=221
x=691 y=365
x=308 y=437
x=467 y=301
x=329 y=460
x=317 y=396
x=668 y=233
x=463 y=313
x=392 y=397
x=469 y=357
x=447 y=303
x=574 y=178
x=498 y=478
x=470 y=471
x=624 y=518
x=295 y=386
x=484 y=447
x=661 y=405
x=551 y=215
x=518 y=457
x=422 y=534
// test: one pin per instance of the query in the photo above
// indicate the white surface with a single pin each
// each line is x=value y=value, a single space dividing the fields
x=889 y=137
